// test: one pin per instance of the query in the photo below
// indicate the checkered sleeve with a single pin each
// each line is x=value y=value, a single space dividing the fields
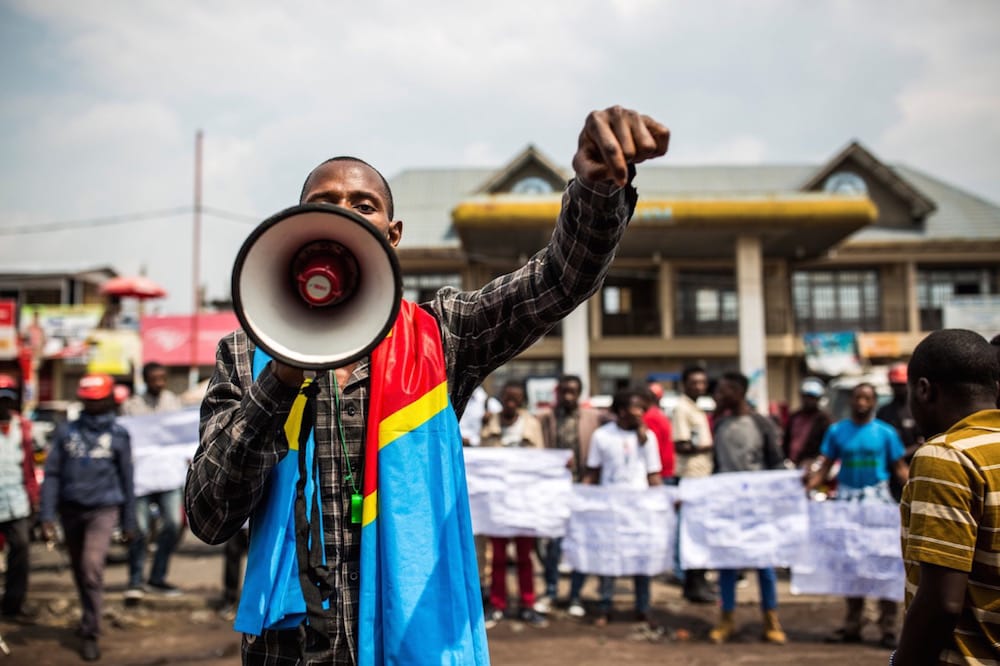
x=485 y=328
x=241 y=439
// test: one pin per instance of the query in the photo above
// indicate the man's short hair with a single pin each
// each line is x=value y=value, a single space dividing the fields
x=150 y=368
x=571 y=379
x=387 y=191
x=737 y=378
x=864 y=385
x=691 y=370
x=958 y=359
x=622 y=399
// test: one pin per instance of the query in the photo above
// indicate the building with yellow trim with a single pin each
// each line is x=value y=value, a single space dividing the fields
x=728 y=267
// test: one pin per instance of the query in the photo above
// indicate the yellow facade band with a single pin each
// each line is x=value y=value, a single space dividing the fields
x=486 y=212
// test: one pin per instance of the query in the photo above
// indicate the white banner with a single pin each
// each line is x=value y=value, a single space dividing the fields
x=162 y=448
x=854 y=551
x=621 y=531
x=518 y=491
x=743 y=520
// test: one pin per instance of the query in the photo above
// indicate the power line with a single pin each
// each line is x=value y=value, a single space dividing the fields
x=125 y=218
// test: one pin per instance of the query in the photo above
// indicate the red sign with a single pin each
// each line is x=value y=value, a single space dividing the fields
x=8 y=333
x=167 y=340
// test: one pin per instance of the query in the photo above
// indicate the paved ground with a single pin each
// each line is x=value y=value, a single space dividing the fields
x=188 y=630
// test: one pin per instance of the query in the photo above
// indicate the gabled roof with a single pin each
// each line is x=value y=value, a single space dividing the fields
x=528 y=162
x=425 y=198
x=920 y=205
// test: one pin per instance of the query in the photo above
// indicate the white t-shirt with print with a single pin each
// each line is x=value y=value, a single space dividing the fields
x=622 y=461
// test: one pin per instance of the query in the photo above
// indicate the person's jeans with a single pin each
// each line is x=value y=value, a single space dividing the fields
x=525 y=574
x=88 y=539
x=640 y=585
x=576 y=581
x=169 y=504
x=553 y=553
x=766 y=579
x=18 y=535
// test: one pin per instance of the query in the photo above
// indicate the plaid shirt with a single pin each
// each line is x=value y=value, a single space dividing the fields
x=242 y=421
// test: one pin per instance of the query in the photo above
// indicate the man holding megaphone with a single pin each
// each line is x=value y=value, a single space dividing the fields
x=348 y=464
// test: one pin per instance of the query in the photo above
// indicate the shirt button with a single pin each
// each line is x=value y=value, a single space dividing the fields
x=351 y=410
x=353 y=576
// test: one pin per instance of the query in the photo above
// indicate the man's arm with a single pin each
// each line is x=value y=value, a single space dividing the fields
x=125 y=469
x=930 y=620
x=482 y=329
x=242 y=438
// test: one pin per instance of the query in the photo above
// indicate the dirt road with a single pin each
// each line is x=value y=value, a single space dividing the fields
x=187 y=630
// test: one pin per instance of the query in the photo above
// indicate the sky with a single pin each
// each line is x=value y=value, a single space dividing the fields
x=102 y=99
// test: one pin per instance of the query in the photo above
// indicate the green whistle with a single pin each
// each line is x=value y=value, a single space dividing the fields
x=356 y=503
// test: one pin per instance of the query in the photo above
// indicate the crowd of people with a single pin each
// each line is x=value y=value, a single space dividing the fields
x=865 y=457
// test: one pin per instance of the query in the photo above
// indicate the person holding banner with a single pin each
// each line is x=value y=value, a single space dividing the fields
x=463 y=335
x=622 y=453
x=693 y=459
x=568 y=425
x=745 y=441
x=951 y=520
x=869 y=451
x=514 y=426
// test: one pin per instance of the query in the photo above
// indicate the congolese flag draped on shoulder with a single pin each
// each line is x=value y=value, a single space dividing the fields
x=420 y=599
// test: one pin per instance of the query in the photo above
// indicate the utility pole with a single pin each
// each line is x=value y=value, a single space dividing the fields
x=193 y=375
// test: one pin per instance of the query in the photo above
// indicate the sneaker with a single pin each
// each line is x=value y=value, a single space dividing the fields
x=576 y=609
x=164 y=588
x=543 y=605
x=529 y=616
x=134 y=593
x=493 y=615
x=89 y=650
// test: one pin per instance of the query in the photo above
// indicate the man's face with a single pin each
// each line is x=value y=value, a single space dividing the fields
x=357 y=187
x=727 y=394
x=568 y=395
x=696 y=384
x=862 y=402
x=156 y=381
x=630 y=417
x=810 y=403
x=511 y=400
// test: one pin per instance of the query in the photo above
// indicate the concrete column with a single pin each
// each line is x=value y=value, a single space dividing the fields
x=912 y=304
x=667 y=290
x=752 y=335
x=576 y=345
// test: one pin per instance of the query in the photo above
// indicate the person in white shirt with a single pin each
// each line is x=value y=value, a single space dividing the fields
x=622 y=453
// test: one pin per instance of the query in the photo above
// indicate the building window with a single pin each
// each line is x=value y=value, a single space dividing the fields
x=707 y=304
x=421 y=288
x=828 y=301
x=629 y=305
x=936 y=286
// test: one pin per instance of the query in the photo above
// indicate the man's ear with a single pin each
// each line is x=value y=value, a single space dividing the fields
x=924 y=391
x=395 y=232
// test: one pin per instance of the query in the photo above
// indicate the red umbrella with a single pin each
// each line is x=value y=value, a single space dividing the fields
x=139 y=286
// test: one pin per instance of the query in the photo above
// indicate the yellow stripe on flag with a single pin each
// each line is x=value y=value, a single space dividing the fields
x=413 y=415
x=369 y=508
x=293 y=424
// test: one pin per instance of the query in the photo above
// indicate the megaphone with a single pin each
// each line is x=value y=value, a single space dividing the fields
x=316 y=286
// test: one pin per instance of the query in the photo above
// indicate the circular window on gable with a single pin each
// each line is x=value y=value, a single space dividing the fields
x=845 y=182
x=531 y=185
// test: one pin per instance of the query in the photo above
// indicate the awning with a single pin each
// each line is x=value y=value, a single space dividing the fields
x=794 y=226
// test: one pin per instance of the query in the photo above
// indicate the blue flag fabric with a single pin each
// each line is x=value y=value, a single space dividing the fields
x=420 y=598
x=272 y=594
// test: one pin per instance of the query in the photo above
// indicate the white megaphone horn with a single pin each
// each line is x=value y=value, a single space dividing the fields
x=316 y=286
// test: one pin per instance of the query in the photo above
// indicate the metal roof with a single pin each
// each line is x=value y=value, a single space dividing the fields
x=425 y=198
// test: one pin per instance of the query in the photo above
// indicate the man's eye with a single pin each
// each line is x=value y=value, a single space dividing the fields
x=364 y=208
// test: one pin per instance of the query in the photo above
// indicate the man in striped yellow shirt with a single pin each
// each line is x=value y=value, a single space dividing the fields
x=951 y=505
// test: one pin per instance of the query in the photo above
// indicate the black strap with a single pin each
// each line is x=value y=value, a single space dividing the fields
x=315 y=577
